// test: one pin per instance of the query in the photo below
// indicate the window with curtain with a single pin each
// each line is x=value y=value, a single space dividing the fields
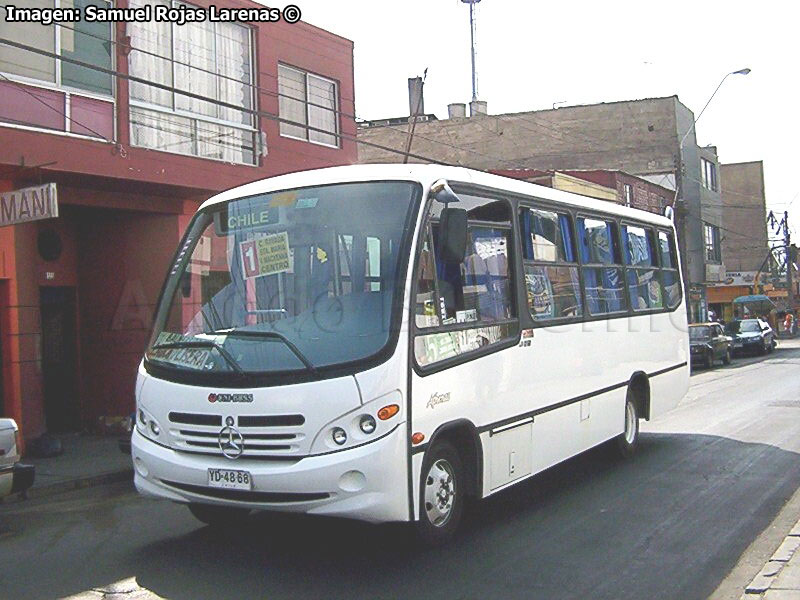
x=211 y=60
x=602 y=278
x=83 y=41
x=552 y=282
x=644 y=284
x=669 y=269
x=310 y=103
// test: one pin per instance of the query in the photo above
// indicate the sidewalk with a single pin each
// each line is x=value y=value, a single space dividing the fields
x=87 y=460
x=780 y=577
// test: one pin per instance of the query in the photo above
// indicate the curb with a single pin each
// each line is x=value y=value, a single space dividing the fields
x=764 y=579
x=61 y=487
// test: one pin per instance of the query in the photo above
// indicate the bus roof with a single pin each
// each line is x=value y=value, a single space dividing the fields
x=426 y=174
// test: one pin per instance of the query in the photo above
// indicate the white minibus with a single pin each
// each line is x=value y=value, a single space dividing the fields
x=382 y=342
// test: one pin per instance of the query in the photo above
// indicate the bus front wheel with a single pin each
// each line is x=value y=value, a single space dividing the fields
x=442 y=488
x=218 y=516
x=628 y=440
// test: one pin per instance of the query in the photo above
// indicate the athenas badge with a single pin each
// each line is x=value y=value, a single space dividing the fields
x=230 y=398
x=437 y=398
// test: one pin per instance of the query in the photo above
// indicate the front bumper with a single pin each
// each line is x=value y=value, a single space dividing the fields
x=367 y=482
x=699 y=353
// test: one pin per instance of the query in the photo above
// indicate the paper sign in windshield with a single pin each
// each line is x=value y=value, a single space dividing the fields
x=266 y=255
x=194 y=358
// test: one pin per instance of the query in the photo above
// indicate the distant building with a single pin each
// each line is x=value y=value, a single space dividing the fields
x=653 y=139
x=745 y=247
x=131 y=161
x=613 y=186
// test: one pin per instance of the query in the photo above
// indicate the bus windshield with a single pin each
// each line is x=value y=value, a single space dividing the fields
x=296 y=280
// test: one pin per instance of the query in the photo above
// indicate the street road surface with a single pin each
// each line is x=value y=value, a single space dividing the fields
x=670 y=523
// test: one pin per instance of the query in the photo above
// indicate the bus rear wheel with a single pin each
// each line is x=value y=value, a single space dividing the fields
x=442 y=490
x=218 y=516
x=628 y=440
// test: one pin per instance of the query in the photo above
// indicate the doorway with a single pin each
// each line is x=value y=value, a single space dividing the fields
x=59 y=358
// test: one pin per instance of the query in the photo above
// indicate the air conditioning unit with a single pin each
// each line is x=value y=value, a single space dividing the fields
x=715 y=272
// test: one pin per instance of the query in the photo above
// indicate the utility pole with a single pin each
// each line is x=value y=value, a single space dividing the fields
x=787 y=242
x=787 y=252
x=472 y=4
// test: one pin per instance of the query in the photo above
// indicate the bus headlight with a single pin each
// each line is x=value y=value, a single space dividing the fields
x=147 y=425
x=367 y=424
x=339 y=436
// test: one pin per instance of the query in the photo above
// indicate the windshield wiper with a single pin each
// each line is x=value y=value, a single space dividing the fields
x=203 y=344
x=274 y=335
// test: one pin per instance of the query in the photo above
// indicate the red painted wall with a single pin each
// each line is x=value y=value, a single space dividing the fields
x=122 y=213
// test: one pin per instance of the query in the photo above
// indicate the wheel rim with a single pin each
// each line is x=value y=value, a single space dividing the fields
x=630 y=423
x=440 y=493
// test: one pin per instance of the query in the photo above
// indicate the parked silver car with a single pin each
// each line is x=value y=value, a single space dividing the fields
x=14 y=476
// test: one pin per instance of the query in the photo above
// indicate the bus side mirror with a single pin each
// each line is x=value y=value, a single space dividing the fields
x=453 y=235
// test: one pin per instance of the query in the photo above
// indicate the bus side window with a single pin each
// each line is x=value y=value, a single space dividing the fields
x=473 y=300
x=602 y=277
x=669 y=269
x=644 y=285
x=552 y=284
x=426 y=306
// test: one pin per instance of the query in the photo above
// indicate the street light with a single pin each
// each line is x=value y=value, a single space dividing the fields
x=739 y=72
x=694 y=123
x=679 y=211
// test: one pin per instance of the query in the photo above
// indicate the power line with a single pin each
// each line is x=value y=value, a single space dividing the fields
x=261 y=113
x=62 y=113
x=260 y=89
x=278 y=118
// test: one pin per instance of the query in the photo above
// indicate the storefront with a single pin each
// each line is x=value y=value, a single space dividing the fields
x=721 y=296
x=128 y=165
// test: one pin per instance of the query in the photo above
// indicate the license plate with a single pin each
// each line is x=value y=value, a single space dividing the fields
x=230 y=479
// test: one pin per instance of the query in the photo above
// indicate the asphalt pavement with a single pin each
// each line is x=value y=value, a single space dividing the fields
x=710 y=489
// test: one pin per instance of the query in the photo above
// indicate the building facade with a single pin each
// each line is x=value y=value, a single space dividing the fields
x=744 y=241
x=134 y=125
x=611 y=186
x=652 y=139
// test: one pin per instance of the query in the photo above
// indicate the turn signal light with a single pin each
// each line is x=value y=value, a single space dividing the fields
x=387 y=412
x=417 y=438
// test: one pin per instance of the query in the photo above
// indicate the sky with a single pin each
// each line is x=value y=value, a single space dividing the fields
x=533 y=54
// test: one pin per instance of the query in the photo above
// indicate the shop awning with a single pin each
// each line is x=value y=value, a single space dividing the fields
x=754 y=299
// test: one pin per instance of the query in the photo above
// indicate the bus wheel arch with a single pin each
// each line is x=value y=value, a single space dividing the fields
x=463 y=436
x=639 y=387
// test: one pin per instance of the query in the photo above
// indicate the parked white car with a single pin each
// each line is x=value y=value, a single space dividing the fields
x=14 y=476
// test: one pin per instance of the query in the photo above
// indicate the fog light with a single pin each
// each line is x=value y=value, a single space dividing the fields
x=142 y=417
x=141 y=468
x=339 y=436
x=155 y=428
x=367 y=424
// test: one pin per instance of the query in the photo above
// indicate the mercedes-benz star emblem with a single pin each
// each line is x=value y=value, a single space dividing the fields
x=231 y=442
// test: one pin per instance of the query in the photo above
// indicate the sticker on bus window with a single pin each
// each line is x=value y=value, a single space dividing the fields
x=486 y=248
x=466 y=316
x=306 y=202
x=193 y=358
x=266 y=255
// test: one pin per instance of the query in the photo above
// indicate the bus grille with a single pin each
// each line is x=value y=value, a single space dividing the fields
x=264 y=435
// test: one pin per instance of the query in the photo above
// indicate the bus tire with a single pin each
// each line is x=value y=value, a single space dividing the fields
x=628 y=440
x=442 y=494
x=218 y=516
